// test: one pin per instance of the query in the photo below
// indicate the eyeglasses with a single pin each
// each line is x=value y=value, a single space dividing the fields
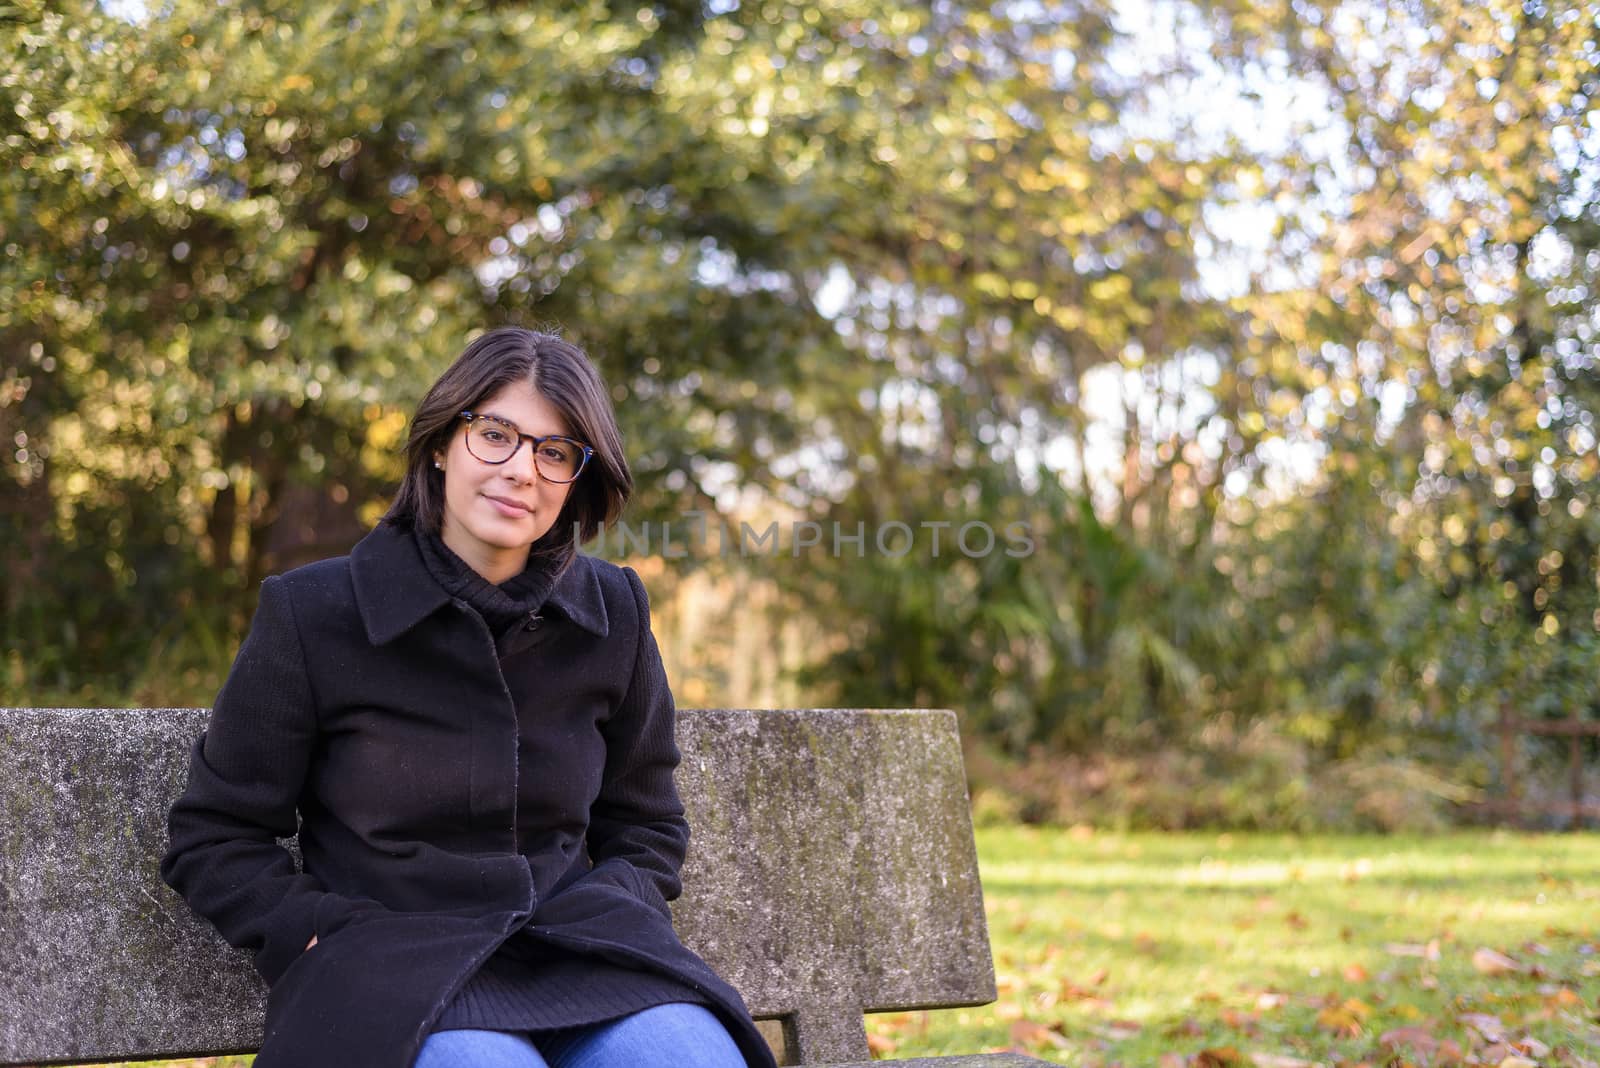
x=494 y=441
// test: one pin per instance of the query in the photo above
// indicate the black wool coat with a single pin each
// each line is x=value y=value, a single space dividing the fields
x=372 y=708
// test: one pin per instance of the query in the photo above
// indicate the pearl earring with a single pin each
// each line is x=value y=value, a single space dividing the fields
x=439 y=465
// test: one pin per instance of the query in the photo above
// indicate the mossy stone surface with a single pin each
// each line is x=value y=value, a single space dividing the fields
x=831 y=872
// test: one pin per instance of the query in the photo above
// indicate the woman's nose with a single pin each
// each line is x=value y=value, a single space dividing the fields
x=522 y=466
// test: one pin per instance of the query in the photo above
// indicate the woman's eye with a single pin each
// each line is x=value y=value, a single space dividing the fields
x=495 y=436
x=553 y=452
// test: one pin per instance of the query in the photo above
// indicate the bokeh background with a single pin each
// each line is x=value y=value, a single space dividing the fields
x=1275 y=323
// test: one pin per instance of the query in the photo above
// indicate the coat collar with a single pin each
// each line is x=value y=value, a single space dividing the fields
x=395 y=592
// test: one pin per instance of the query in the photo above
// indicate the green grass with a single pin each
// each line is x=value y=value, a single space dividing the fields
x=1147 y=949
x=1273 y=951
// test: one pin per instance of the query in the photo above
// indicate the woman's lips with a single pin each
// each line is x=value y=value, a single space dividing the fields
x=509 y=508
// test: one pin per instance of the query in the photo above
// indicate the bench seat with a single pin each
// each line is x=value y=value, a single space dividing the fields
x=831 y=873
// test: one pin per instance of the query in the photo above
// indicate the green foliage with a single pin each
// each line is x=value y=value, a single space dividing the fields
x=1299 y=430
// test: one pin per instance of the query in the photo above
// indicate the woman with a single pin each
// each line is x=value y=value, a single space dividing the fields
x=469 y=723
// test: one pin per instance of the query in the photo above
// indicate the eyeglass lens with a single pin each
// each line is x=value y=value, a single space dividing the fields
x=558 y=461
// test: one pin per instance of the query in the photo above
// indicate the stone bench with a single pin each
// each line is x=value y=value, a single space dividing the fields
x=831 y=873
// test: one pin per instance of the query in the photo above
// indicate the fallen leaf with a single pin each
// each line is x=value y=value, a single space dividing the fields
x=1220 y=1057
x=1429 y=951
x=1121 y=1030
x=1278 y=1060
x=1031 y=1035
x=1515 y=1061
x=1355 y=973
x=1172 y=1060
x=1297 y=921
x=881 y=1044
x=1240 y=1021
x=1346 y=1019
x=1488 y=1026
x=1418 y=1038
x=1491 y=962
x=1565 y=997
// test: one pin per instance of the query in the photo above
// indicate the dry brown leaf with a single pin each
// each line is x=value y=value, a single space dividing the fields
x=1428 y=952
x=1278 y=1060
x=1488 y=1026
x=1355 y=973
x=1492 y=963
x=1565 y=998
x=1515 y=1061
x=881 y=1044
x=1031 y=1035
x=1240 y=1021
x=1418 y=1038
x=1219 y=1057
x=1172 y=1060
x=1346 y=1019
x=1297 y=921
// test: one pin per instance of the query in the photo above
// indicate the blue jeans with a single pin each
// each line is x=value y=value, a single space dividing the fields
x=677 y=1035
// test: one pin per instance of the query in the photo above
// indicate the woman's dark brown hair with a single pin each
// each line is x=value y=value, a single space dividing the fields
x=563 y=375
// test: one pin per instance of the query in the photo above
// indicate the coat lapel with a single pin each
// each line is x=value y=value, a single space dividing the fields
x=395 y=592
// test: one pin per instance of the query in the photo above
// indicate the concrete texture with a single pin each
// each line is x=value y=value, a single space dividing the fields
x=831 y=868
x=831 y=872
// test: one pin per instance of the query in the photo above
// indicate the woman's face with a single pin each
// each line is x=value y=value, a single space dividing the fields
x=494 y=512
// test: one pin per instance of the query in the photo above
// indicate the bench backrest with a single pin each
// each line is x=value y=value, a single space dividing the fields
x=831 y=872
